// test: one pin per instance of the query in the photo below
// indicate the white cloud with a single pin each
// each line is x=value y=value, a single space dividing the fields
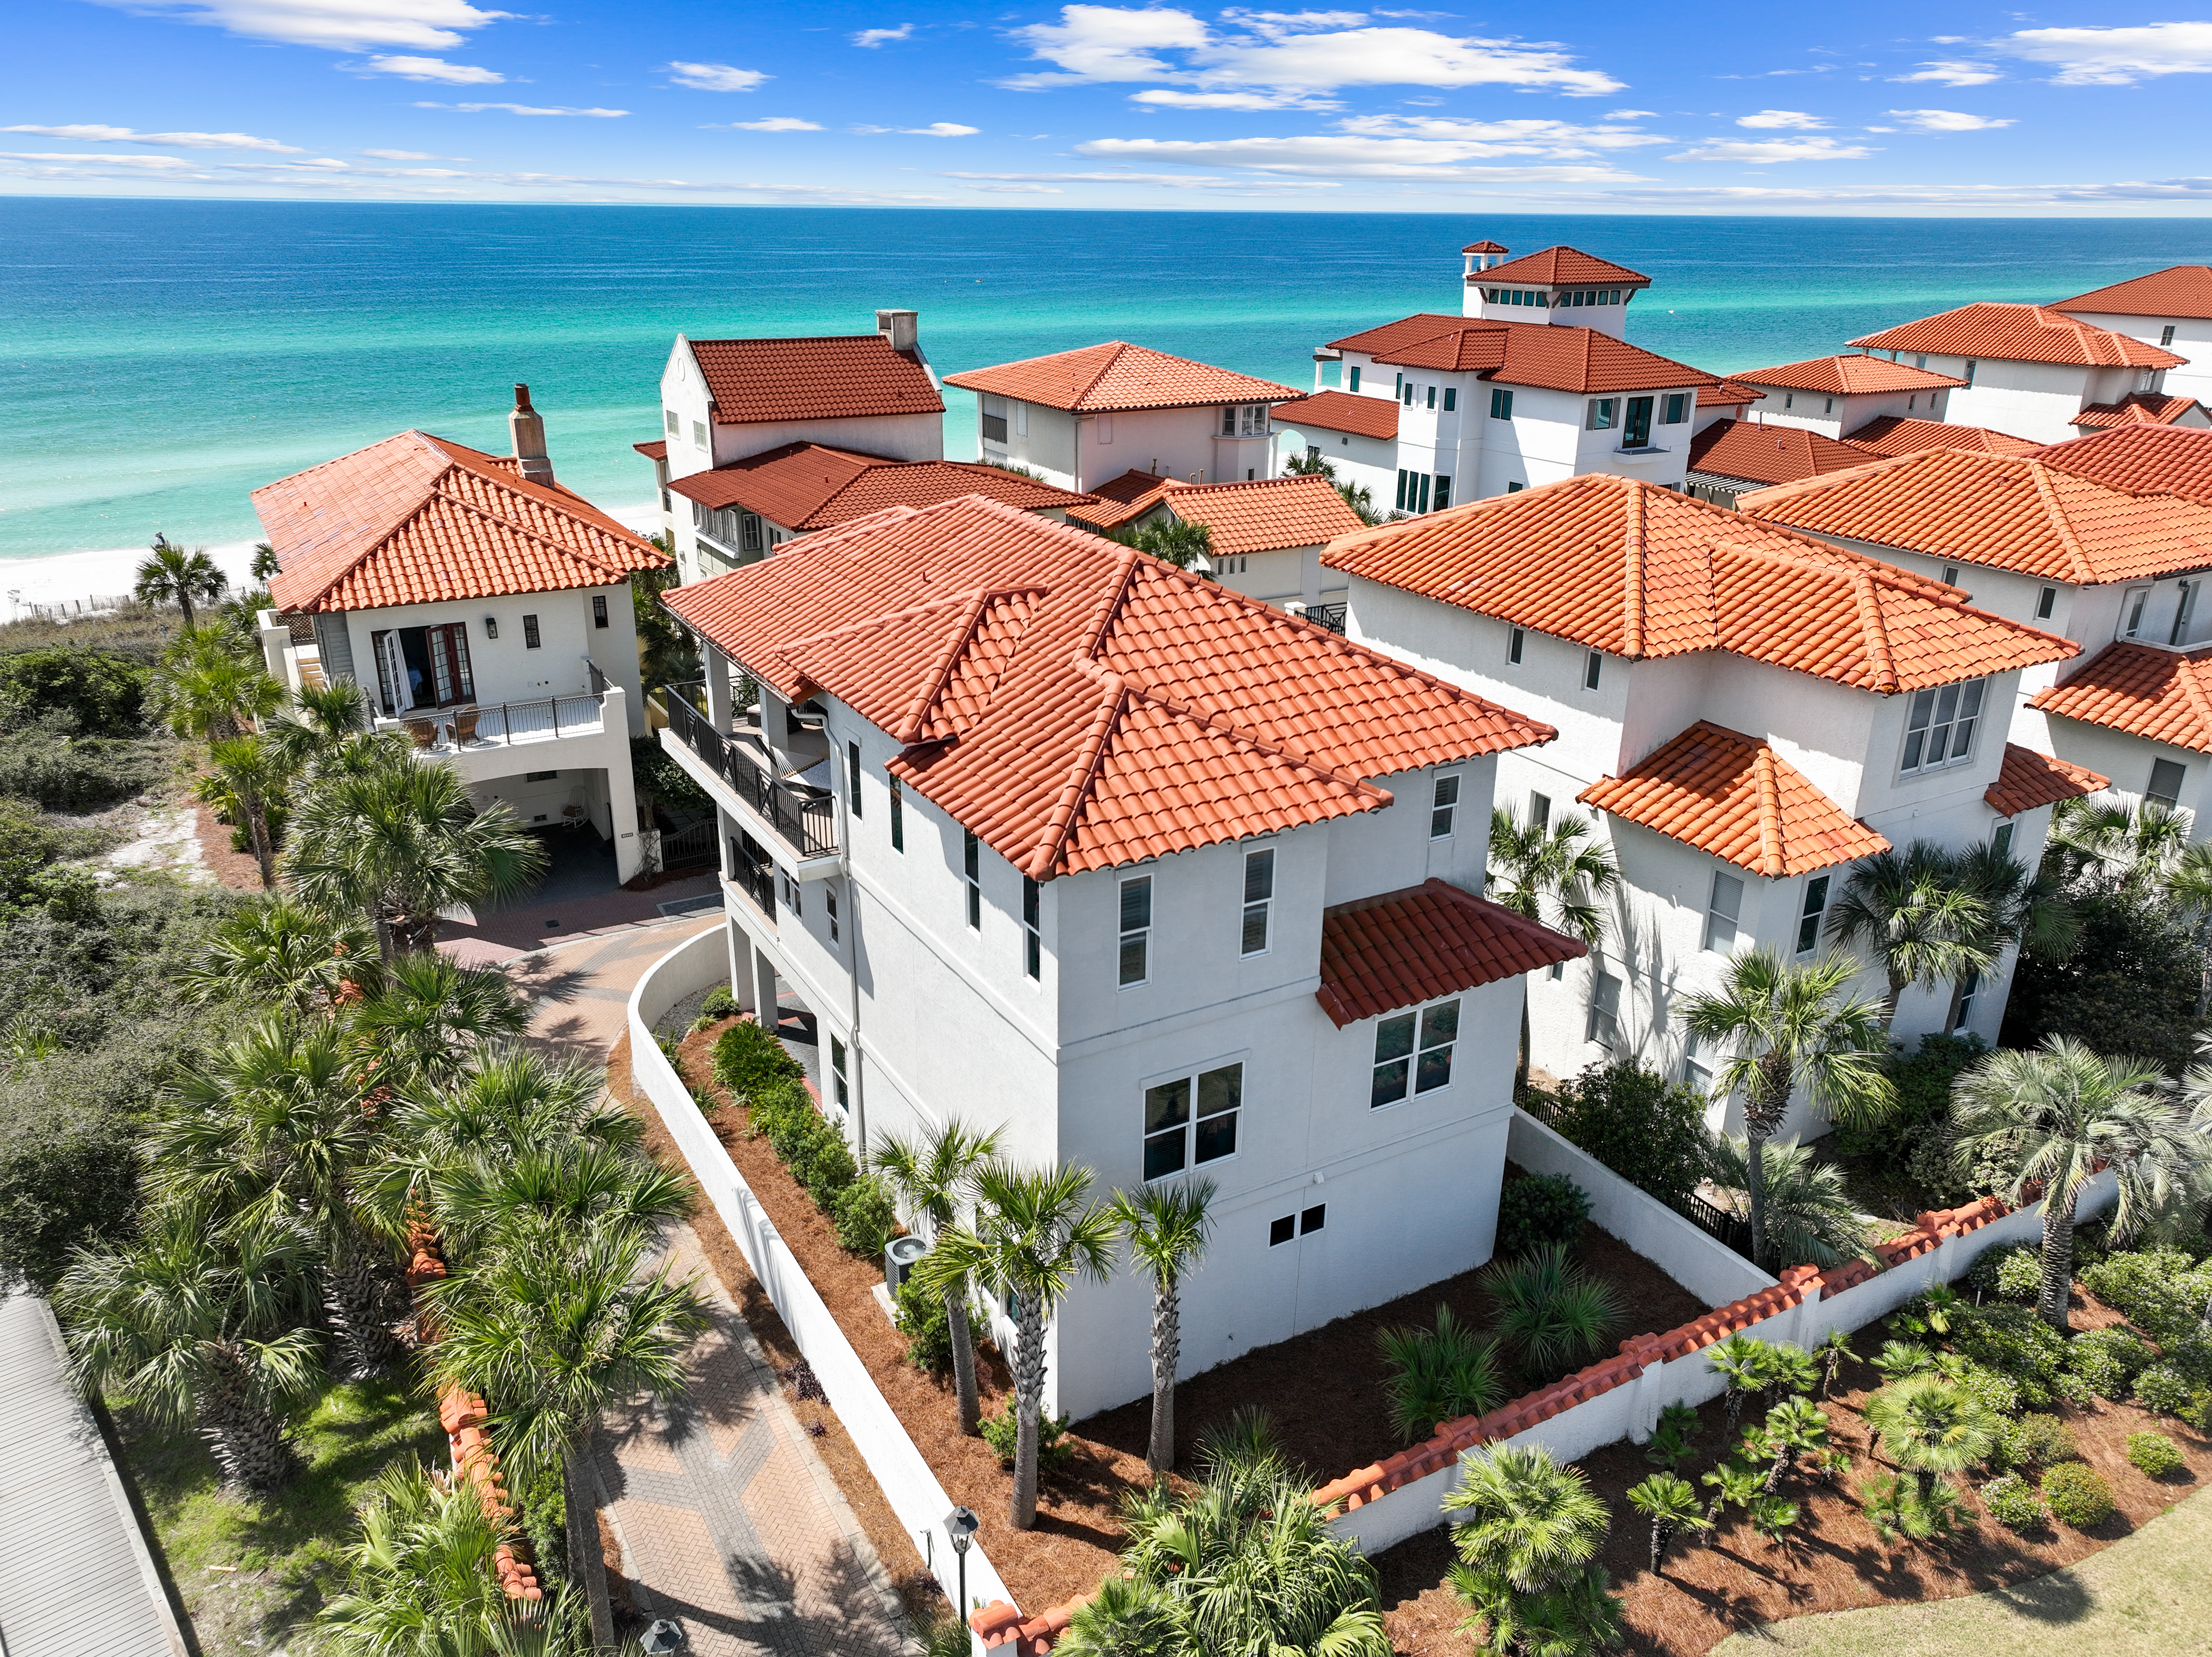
x=1952 y=73
x=1350 y=157
x=429 y=68
x=338 y=25
x=1632 y=115
x=1759 y=152
x=400 y=155
x=134 y=163
x=526 y=109
x=1017 y=189
x=1781 y=118
x=714 y=77
x=1189 y=182
x=1168 y=98
x=123 y=134
x=1946 y=120
x=773 y=124
x=2115 y=57
x=1556 y=139
x=1288 y=51
x=941 y=129
x=874 y=38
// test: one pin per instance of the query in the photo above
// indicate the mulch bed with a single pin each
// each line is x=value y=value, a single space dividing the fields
x=240 y=871
x=1832 y=1560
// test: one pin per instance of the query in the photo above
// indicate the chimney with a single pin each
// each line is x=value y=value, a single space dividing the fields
x=901 y=328
x=529 y=428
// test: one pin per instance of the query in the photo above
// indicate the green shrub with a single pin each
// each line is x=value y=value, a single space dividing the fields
x=41 y=760
x=2014 y=1272
x=2078 y=1495
x=2108 y=1360
x=2154 y=1454
x=864 y=1216
x=1054 y=1452
x=2013 y=1502
x=719 y=1005
x=776 y=1104
x=2013 y=1341
x=829 y=1170
x=542 y=1515
x=1996 y=1393
x=2038 y=1441
x=2165 y=1391
x=1913 y=1140
x=102 y=692
x=747 y=1060
x=2128 y=986
x=1539 y=1210
x=1649 y=1131
x=921 y=1317
x=2162 y=1291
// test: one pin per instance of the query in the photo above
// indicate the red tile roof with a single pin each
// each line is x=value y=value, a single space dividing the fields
x=828 y=377
x=1768 y=454
x=656 y=450
x=2137 y=409
x=1848 y=376
x=2143 y=459
x=1896 y=434
x=804 y=486
x=1403 y=948
x=1118 y=375
x=2028 y=779
x=416 y=519
x=1342 y=411
x=1267 y=514
x=1080 y=705
x=1125 y=499
x=2019 y=333
x=1554 y=356
x=1729 y=394
x=1724 y=793
x=2162 y=695
x=1485 y=247
x=1556 y=267
x=2013 y=513
x=1636 y=570
x=2179 y=290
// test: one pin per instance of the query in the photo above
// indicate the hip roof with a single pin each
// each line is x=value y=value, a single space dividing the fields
x=1768 y=454
x=806 y=486
x=2179 y=290
x=1844 y=375
x=1343 y=411
x=1555 y=356
x=826 y=377
x=2019 y=333
x=2161 y=695
x=2028 y=779
x=1403 y=948
x=1118 y=375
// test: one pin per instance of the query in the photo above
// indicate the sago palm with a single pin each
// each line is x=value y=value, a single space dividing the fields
x=1914 y=912
x=283 y=952
x=932 y=1175
x=2056 y=1116
x=1166 y=1228
x=1787 y=1026
x=170 y=575
x=1032 y=1235
x=1810 y=1216
x=1553 y=874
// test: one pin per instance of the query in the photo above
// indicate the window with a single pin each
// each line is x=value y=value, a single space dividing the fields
x=1413 y=1052
x=1443 y=491
x=1516 y=638
x=2165 y=335
x=972 y=861
x=491 y=627
x=1600 y=413
x=2146 y=380
x=852 y=777
x=1696 y=1073
x=1424 y=506
x=529 y=638
x=898 y=816
x=2183 y=611
x=1443 y=806
x=1032 y=930
x=1259 y=900
x=1950 y=575
x=1968 y=374
x=1432 y=397
x=1809 y=914
x=1962 y=1011
x=2046 y=601
x=1637 y=433
x=1175 y=1138
x=1501 y=404
x=1722 y=910
x=2164 y=788
x=541 y=776
x=749 y=532
x=844 y=1092
x=1281 y=1231
x=993 y=410
x=675 y=425
x=1827 y=405
x=1312 y=1219
x=1451 y=398
x=1515 y=488
x=1135 y=965
x=1592 y=668
x=699 y=433
x=2001 y=841
x=1539 y=810
x=1402 y=475
x=829 y=907
x=1605 y=1010
x=1678 y=409
x=1405 y=393
x=598 y=609
x=1354 y=385
x=794 y=897
x=1789 y=398
x=1940 y=728
x=2133 y=607
x=1920 y=361
x=1021 y=419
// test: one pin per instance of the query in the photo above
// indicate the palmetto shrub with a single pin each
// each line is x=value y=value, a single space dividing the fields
x=1551 y=1312
x=1439 y=1375
x=2154 y=1454
x=1906 y=1507
x=2078 y=1495
x=1932 y=1424
x=2013 y=1504
x=2108 y=1360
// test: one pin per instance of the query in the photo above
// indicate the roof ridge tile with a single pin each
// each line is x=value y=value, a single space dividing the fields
x=1083 y=774
x=2061 y=520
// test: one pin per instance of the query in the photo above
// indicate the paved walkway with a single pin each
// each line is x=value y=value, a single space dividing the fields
x=582 y=986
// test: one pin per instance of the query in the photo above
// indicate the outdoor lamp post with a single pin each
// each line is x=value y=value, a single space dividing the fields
x=664 y=1638
x=960 y=1526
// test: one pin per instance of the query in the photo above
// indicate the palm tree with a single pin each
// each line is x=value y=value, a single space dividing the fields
x=1518 y=1515
x=322 y=721
x=266 y=563
x=281 y=951
x=194 y=1327
x=169 y=574
x=1928 y=1424
x=246 y=776
x=1030 y=1237
x=426 y=1015
x=2102 y=840
x=549 y=1194
x=1810 y=1216
x=2054 y=1116
x=1125 y=1617
x=1548 y=875
x=1742 y=1362
x=1795 y=1428
x=1833 y=1351
x=1671 y=1505
x=1916 y=915
x=1172 y=540
x=931 y=1176
x=1166 y=1227
x=2188 y=887
x=1791 y=1026
x=2027 y=908
x=1439 y=1375
x=204 y=688
x=400 y=841
x=1733 y=1481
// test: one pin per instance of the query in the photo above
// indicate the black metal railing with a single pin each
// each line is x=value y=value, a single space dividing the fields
x=757 y=880
x=804 y=818
x=689 y=849
x=504 y=722
x=1724 y=1228
x=1329 y=615
x=598 y=680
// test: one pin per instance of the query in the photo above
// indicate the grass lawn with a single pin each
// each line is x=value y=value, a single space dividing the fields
x=2145 y=1596
x=252 y=1573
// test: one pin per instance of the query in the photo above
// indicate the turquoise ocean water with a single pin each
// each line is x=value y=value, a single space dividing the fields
x=159 y=360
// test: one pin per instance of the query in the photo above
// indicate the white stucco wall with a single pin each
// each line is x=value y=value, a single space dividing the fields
x=1082 y=451
x=2192 y=338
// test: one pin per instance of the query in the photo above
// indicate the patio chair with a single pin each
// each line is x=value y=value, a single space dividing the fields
x=464 y=726
x=424 y=732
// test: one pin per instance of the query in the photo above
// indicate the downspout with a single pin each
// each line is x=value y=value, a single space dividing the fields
x=857 y=1079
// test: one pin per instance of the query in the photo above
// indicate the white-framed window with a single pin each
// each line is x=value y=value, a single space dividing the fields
x=971 y=874
x=1501 y=403
x=1601 y=412
x=1135 y=964
x=1516 y=639
x=1950 y=575
x=1592 y=668
x=1810 y=911
x=1451 y=399
x=2183 y=612
x=1259 y=902
x=1191 y=1120
x=1539 y=810
x=1244 y=420
x=991 y=412
x=2046 y=601
x=2165 y=780
x=1677 y=410
x=1827 y=405
x=1032 y=930
x=1723 y=909
x=1962 y=1002
x=1696 y=1074
x=675 y=422
x=794 y=896
x=898 y=815
x=2165 y=335
x=852 y=777
x=2131 y=611
x=699 y=433
x=2001 y=841
x=1939 y=727
x=1414 y=1052
x=1604 y=1010
x=2146 y=380
x=839 y=1087
x=1444 y=805
x=829 y=908
x=1021 y=417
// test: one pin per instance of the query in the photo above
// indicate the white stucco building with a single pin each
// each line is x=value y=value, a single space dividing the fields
x=2170 y=310
x=1747 y=713
x=1051 y=837
x=1267 y=536
x=484 y=610
x=1835 y=396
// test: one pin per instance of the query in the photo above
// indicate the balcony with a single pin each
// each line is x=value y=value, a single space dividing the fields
x=802 y=820
x=447 y=731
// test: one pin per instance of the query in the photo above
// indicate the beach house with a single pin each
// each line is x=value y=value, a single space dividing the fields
x=1041 y=834
x=1077 y=418
x=1835 y=396
x=2170 y=310
x=484 y=610
x=1266 y=536
x=1744 y=713
x=1730 y=458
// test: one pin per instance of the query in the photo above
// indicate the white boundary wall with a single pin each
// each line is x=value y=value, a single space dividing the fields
x=1631 y=1410
x=908 y=1485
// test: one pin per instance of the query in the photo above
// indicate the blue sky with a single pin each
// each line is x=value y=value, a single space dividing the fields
x=1714 y=107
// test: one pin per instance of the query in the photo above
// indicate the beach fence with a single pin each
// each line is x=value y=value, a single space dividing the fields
x=69 y=610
